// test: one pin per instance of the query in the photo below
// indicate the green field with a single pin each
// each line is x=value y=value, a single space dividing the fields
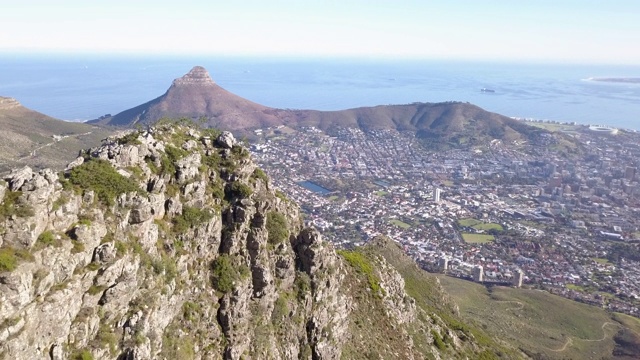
x=488 y=226
x=333 y=198
x=601 y=260
x=479 y=225
x=400 y=224
x=542 y=323
x=477 y=238
x=554 y=127
x=380 y=193
x=469 y=222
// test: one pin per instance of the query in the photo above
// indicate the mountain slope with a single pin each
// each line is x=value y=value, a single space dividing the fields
x=27 y=137
x=195 y=95
x=170 y=244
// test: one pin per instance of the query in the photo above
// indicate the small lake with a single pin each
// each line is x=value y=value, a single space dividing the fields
x=314 y=187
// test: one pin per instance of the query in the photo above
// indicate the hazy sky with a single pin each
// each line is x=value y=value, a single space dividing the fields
x=593 y=31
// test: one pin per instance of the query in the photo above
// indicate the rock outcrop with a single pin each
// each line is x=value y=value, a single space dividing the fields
x=169 y=244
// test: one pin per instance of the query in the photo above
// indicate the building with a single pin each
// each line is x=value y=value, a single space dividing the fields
x=517 y=278
x=443 y=264
x=436 y=195
x=478 y=274
x=630 y=173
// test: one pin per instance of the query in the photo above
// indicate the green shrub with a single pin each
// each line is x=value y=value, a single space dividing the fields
x=61 y=201
x=213 y=160
x=302 y=284
x=82 y=355
x=280 y=195
x=259 y=174
x=190 y=311
x=11 y=205
x=10 y=258
x=217 y=190
x=165 y=266
x=78 y=247
x=362 y=264
x=211 y=133
x=224 y=273
x=95 y=290
x=121 y=248
x=152 y=166
x=169 y=158
x=130 y=138
x=106 y=337
x=437 y=340
x=47 y=239
x=98 y=175
x=278 y=227
x=240 y=151
x=190 y=217
x=238 y=190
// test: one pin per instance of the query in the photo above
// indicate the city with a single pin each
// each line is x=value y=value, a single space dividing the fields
x=555 y=215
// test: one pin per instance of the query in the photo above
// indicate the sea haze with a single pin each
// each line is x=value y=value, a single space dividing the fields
x=86 y=87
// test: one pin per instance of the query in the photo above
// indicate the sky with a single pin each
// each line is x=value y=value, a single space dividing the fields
x=566 y=31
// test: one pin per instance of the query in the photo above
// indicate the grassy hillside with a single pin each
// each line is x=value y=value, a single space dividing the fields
x=546 y=326
x=27 y=138
x=431 y=297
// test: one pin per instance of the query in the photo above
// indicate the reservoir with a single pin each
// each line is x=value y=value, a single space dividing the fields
x=314 y=187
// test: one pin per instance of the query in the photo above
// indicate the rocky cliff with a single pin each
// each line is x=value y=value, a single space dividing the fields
x=169 y=243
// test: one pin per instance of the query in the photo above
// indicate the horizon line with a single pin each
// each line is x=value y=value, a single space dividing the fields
x=308 y=57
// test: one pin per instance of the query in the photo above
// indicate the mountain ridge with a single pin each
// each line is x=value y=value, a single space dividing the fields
x=197 y=96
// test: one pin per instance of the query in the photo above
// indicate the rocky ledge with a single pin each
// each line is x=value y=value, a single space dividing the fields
x=8 y=103
x=196 y=76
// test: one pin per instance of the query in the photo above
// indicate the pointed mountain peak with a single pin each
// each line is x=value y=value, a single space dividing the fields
x=197 y=76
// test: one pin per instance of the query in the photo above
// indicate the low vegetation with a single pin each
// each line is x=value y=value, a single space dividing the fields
x=11 y=205
x=539 y=323
x=238 y=190
x=47 y=239
x=277 y=226
x=225 y=273
x=190 y=218
x=477 y=238
x=11 y=257
x=98 y=175
x=363 y=265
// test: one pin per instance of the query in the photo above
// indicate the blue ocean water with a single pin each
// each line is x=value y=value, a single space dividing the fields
x=86 y=87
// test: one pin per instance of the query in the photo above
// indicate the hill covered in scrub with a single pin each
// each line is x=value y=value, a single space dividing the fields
x=170 y=243
x=195 y=95
x=31 y=138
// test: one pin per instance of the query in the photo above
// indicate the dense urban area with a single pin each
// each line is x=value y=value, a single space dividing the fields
x=560 y=214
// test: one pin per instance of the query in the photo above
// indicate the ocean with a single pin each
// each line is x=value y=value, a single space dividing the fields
x=85 y=87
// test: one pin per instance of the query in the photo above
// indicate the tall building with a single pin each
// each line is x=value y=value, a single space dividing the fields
x=630 y=173
x=517 y=278
x=478 y=274
x=443 y=264
x=436 y=195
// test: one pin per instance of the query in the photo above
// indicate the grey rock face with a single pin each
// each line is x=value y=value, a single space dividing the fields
x=226 y=140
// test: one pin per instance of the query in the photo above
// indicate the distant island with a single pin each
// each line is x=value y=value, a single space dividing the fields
x=628 y=80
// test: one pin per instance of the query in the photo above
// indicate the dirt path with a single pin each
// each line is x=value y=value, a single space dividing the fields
x=34 y=151
x=570 y=339
x=564 y=347
x=519 y=307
